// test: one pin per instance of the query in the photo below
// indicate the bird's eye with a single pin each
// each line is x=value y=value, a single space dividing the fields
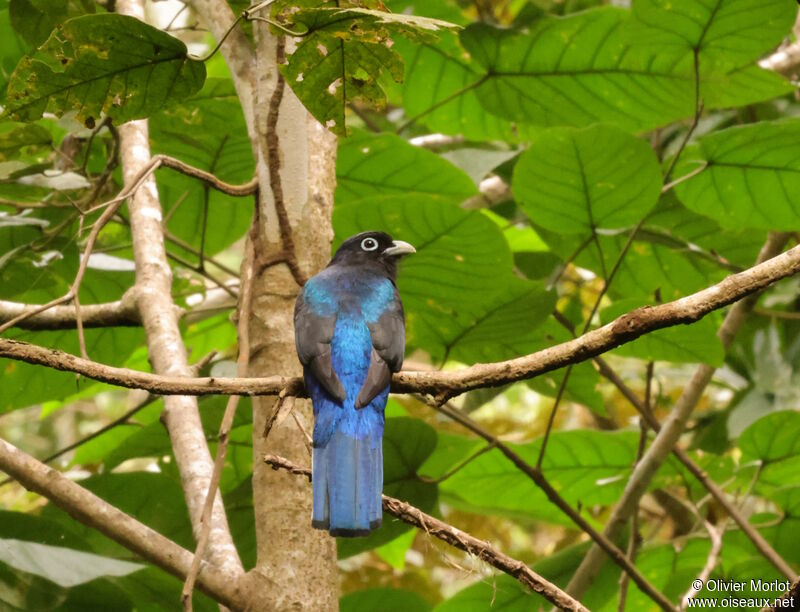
x=369 y=244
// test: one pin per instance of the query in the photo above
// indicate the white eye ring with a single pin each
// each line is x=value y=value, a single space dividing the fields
x=369 y=244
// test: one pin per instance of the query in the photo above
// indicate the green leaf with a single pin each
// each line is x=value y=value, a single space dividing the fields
x=22 y=137
x=586 y=467
x=385 y=599
x=500 y=593
x=154 y=499
x=439 y=90
x=103 y=64
x=343 y=54
x=774 y=440
x=207 y=131
x=742 y=87
x=460 y=256
x=64 y=566
x=751 y=179
x=370 y=165
x=394 y=552
x=327 y=73
x=732 y=32
x=502 y=328
x=12 y=48
x=32 y=528
x=671 y=223
x=574 y=181
x=35 y=19
x=578 y=70
x=407 y=443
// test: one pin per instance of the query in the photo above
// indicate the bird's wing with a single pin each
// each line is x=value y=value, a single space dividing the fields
x=313 y=334
x=388 y=335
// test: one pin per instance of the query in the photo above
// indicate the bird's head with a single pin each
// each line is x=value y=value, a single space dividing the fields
x=372 y=249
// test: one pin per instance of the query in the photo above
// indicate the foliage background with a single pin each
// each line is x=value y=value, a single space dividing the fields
x=581 y=108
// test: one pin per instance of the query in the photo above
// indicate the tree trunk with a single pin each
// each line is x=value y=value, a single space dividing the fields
x=300 y=562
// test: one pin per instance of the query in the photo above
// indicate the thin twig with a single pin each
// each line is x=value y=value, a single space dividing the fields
x=715 y=534
x=242 y=363
x=459 y=539
x=635 y=538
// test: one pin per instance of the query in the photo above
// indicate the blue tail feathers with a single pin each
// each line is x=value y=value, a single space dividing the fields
x=348 y=480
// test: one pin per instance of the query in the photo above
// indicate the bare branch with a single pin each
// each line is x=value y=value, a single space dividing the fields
x=122 y=313
x=93 y=511
x=459 y=539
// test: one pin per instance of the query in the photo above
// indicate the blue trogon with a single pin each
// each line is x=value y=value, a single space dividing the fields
x=350 y=335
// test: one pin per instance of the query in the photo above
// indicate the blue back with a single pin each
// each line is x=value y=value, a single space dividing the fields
x=348 y=458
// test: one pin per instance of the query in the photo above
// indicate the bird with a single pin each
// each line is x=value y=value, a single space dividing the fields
x=350 y=335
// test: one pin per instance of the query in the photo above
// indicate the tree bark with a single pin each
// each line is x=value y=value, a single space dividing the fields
x=166 y=350
x=300 y=561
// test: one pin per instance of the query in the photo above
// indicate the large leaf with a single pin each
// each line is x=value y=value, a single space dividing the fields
x=21 y=138
x=721 y=31
x=578 y=70
x=407 y=443
x=154 y=499
x=343 y=53
x=370 y=165
x=461 y=256
x=64 y=566
x=12 y=48
x=574 y=181
x=35 y=19
x=386 y=600
x=103 y=64
x=696 y=235
x=774 y=441
x=587 y=467
x=504 y=327
x=649 y=270
x=751 y=179
x=207 y=131
x=589 y=68
x=439 y=90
